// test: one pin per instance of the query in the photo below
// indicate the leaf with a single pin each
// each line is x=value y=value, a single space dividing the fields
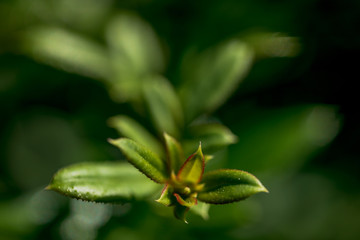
x=213 y=137
x=208 y=158
x=133 y=42
x=201 y=209
x=272 y=44
x=142 y=158
x=166 y=197
x=129 y=128
x=229 y=185
x=102 y=182
x=193 y=168
x=67 y=50
x=164 y=105
x=180 y=212
x=174 y=152
x=187 y=202
x=212 y=76
x=135 y=54
x=282 y=139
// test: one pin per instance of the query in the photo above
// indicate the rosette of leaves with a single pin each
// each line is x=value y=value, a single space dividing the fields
x=184 y=180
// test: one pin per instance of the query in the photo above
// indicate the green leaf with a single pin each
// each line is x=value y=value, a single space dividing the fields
x=163 y=104
x=201 y=209
x=133 y=42
x=129 y=128
x=67 y=50
x=174 y=152
x=166 y=197
x=135 y=54
x=213 y=137
x=187 y=202
x=142 y=158
x=211 y=77
x=282 y=139
x=102 y=182
x=193 y=168
x=180 y=212
x=271 y=44
x=229 y=185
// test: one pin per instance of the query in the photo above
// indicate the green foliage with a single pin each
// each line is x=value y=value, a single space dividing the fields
x=55 y=115
x=164 y=105
x=135 y=54
x=213 y=137
x=212 y=76
x=67 y=50
x=229 y=185
x=102 y=182
x=136 y=62
x=130 y=63
x=193 y=168
x=175 y=153
x=142 y=158
x=129 y=128
x=284 y=138
x=115 y=182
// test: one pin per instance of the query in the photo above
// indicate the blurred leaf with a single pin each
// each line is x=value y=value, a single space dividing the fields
x=211 y=77
x=193 y=168
x=87 y=18
x=15 y=218
x=129 y=128
x=102 y=182
x=201 y=209
x=229 y=185
x=135 y=44
x=282 y=139
x=175 y=154
x=135 y=53
x=67 y=50
x=164 y=105
x=213 y=137
x=142 y=158
x=180 y=212
x=270 y=44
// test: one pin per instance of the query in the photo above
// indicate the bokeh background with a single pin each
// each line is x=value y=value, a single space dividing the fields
x=294 y=112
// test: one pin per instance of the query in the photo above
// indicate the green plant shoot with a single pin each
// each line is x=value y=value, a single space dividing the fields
x=184 y=180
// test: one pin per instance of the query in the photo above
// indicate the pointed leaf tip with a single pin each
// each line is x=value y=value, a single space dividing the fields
x=201 y=209
x=180 y=212
x=193 y=168
x=175 y=154
x=110 y=182
x=229 y=185
x=142 y=158
x=166 y=197
x=188 y=202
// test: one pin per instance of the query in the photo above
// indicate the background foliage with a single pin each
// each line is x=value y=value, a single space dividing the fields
x=295 y=117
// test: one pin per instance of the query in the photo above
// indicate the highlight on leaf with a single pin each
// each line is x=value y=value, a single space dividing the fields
x=166 y=197
x=229 y=185
x=130 y=128
x=109 y=182
x=142 y=158
x=193 y=168
x=120 y=183
x=175 y=154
